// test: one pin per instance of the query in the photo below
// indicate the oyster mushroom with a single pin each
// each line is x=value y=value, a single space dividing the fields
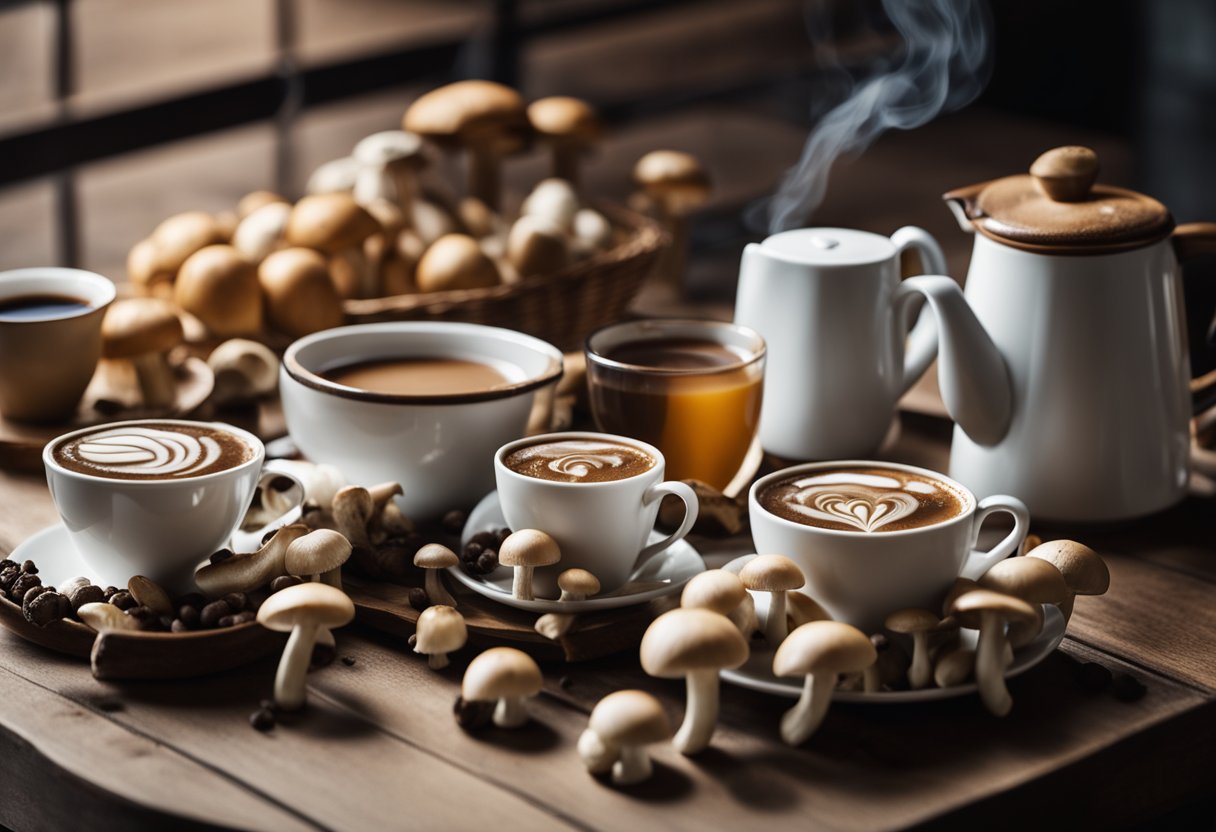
x=918 y=624
x=300 y=295
x=990 y=612
x=244 y=371
x=525 y=550
x=570 y=127
x=624 y=723
x=304 y=611
x=142 y=331
x=220 y=288
x=775 y=574
x=246 y=572
x=507 y=675
x=440 y=630
x=1084 y=571
x=433 y=558
x=318 y=556
x=576 y=585
x=722 y=592
x=820 y=651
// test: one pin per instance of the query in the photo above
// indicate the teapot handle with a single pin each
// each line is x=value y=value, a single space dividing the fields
x=921 y=346
x=1194 y=239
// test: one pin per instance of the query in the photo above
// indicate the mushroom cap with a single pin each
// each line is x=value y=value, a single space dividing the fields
x=967 y=608
x=136 y=326
x=715 y=590
x=802 y=609
x=254 y=200
x=673 y=178
x=440 y=629
x=388 y=147
x=455 y=261
x=329 y=222
x=911 y=620
x=261 y=230
x=317 y=552
x=321 y=604
x=1031 y=579
x=683 y=640
x=435 y=556
x=220 y=288
x=300 y=296
x=181 y=235
x=1083 y=569
x=529 y=547
x=470 y=112
x=536 y=246
x=562 y=118
x=244 y=368
x=334 y=177
x=630 y=717
x=959 y=586
x=501 y=672
x=144 y=268
x=830 y=646
x=772 y=573
x=578 y=581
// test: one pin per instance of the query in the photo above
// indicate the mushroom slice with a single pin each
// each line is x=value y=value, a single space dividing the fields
x=695 y=644
x=626 y=722
x=434 y=558
x=304 y=611
x=242 y=573
x=1083 y=569
x=318 y=556
x=820 y=651
x=775 y=574
x=507 y=675
x=525 y=550
x=989 y=612
x=440 y=630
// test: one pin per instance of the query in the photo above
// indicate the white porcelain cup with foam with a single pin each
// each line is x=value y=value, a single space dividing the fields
x=862 y=575
x=159 y=528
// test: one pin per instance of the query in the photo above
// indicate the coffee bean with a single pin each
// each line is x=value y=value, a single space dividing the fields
x=485 y=539
x=86 y=595
x=188 y=615
x=178 y=626
x=244 y=618
x=349 y=661
x=141 y=613
x=501 y=536
x=29 y=568
x=122 y=599
x=454 y=521
x=262 y=719
x=221 y=556
x=226 y=621
x=165 y=621
x=488 y=562
x=284 y=581
x=108 y=593
x=42 y=605
x=236 y=600
x=322 y=655
x=565 y=683
x=24 y=583
x=211 y=614
x=1128 y=688
x=472 y=715
x=418 y=598
x=472 y=549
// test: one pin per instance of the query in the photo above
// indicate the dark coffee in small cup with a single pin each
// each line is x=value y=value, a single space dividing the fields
x=863 y=500
x=579 y=461
x=153 y=451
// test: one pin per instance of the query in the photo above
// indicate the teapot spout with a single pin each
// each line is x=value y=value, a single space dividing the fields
x=972 y=375
x=962 y=202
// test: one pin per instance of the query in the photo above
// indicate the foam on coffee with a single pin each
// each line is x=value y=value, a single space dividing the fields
x=864 y=500
x=153 y=451
x=579 y=461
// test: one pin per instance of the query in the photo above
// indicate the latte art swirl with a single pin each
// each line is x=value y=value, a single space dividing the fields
x=579 y=461
x=153 y=451
x=580 y=465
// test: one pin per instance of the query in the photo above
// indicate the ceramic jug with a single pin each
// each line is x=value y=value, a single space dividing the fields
x=1078 y=287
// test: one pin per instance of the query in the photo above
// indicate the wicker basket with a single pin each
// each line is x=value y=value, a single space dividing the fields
x=561 y=308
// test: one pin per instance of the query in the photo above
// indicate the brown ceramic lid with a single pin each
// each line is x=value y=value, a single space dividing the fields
x=1057 y=208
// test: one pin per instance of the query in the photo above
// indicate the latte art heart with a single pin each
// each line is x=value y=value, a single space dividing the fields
x=864 y=509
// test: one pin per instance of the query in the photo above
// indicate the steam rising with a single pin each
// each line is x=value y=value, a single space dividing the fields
x=941 y=67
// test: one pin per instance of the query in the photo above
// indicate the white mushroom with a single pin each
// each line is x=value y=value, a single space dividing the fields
x=440 y=630
x=777 y=575
x=820 y=651
x=625 y=722
x=304 y=611
x=990 y=612
x=525 y=550
x=507 y=675
x=576 y=585
x=434 y=558
x=318 y=556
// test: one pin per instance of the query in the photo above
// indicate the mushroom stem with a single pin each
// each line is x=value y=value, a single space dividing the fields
x=673 y=261
x=484 y=175
x=156 y=383
x=633 y=766
x=871 y=679
x=522 y=586
x=565 y=162
x=990 y=654
x=776 y=628
x=800 y=721
x=333 y=577
x=435 y=592
x=596 y=755
x=511 y=712
x=438 y=661
x=920 y=674
x=701 y=711
x=289 y=680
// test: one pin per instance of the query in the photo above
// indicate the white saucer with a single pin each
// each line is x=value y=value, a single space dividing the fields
x=53 y=553
x=757 y=672
x=665 y=573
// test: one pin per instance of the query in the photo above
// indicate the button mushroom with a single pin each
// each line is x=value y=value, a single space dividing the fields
x=576 y=585
x=592 y=233
x=1033 y=580
x=695 y=644
x=254 y=200
x=775 y=574
x=440 y=630
x=304 y=611
x=142 y=331
x=676 y=184
x=433 y=558
x=507 y=675
x=1083 y=569
x=570 y=127
x=244 y=371
x=261 y=232
x=220 y=288
x=525 y=550
x=336 y=225
x=990 y=612
x=145 y=272
x=553 y=202
x=455 y=261
x=820 y=651
x=919 y=624
x=180 y=236
x=722 y=592
x=336 y=176
x=624 y=723
x=246 y=572
x=318 y=556
x=300 y=295
x=536 y=247
x=389 y=162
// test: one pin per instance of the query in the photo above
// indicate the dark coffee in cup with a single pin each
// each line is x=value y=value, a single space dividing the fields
x=579 y=461
x=41 y=307
x=153 y=451
x=863 y=499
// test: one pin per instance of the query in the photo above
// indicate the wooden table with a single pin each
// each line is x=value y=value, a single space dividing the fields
x=378 y=747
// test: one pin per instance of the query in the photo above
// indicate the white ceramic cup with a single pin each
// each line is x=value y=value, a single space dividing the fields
x=861 y=577
x=159 y=528
x=46 y=363
x=600 y=526
x=439 y=447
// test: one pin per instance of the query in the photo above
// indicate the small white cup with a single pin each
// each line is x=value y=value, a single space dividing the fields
x=600 y=526
x=860 y=577
x=161 y=529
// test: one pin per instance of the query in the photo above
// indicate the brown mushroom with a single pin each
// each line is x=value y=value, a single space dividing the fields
x=145 y=272
x=261 y=232
x=455 y=261
x=180 y=236
x=918 y=624
x=1083 y=569
x=300 y=296
x=142 y=331
x=434 y=558
x=220 y=288
x=1033 y=580
x=570 y=127
x=254 y=200
x=676 y=185
x=336 y=225
x=318 y=556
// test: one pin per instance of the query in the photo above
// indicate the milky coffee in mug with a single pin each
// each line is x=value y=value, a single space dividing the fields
x=579 y=461
x=153 y=451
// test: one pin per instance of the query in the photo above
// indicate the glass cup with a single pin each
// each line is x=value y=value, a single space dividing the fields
x=690 y=388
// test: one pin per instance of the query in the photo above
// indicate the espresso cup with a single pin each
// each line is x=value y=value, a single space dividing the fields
x=599 y=526
x=875 y=554
x=50 y=340
x=153 y=516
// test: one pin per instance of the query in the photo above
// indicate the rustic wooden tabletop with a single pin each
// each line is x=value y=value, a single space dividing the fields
x=378 y=747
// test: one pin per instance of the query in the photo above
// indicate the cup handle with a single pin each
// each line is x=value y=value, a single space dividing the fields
x=285 y=511
x=980 y=562
x=658 y=492
x=922 y=338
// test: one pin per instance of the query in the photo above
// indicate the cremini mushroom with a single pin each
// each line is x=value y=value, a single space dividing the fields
x=570 y=127
x=142 y=331
x=104 y=616
x=536 y=246
x=918 y=624
x=1035 y=581
x=455 y=261
x=220 y=288
x=261 y=232
x=695 y=644
x=145 y=272
x=625 y=722
x=575 y=585
x=254 y=200
x=722 y=592
x=300 y=295
x=525 y=550
x=1084 y=571
x=245 y=572
x=389 y=162
x=304 y=611
x=676 y=184
x=336 y=225
x=507 y=675
x=353 y=508
x=180 y=236
x=990 y=612
x=336 y=176
x=434 y=558
x=777 y=575
x=820 y=651
x=440 y=630
x=244 y=371
x=318 y=556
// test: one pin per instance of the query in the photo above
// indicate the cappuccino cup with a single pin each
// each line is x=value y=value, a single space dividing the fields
x=876 y=537
x=596 y=494
x=155 y=497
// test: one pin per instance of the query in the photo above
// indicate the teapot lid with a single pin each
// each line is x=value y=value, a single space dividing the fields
x=1057 y=208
